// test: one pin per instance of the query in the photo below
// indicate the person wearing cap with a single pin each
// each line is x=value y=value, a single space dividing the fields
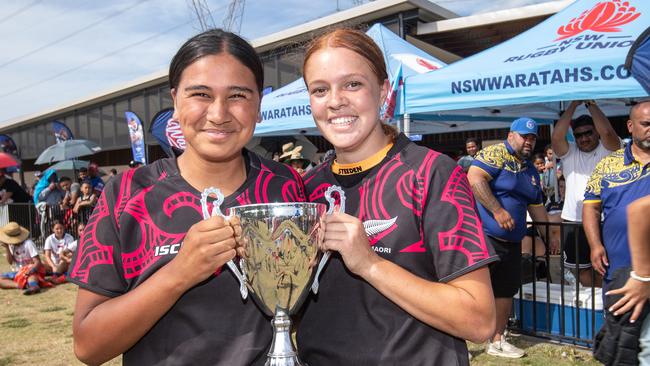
x=21 y=253
x=594 y=139
x=506 y=185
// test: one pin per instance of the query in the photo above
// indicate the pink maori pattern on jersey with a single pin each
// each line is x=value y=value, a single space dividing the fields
x=135 y=262
x=90 y=251
x=413 y=193
x=466 y=235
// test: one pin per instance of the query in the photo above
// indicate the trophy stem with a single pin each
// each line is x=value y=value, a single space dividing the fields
x=282 y=352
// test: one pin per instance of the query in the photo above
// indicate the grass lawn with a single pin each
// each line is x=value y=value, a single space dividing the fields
x=37 y=330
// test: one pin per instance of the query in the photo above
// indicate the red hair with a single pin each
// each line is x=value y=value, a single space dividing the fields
x=355 y=41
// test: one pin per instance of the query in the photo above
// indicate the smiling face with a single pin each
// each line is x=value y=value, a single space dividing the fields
x=345 y=97
x=217 y=103
x=58 y=230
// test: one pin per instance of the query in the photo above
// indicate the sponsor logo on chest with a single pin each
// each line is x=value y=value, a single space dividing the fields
x=167 y=249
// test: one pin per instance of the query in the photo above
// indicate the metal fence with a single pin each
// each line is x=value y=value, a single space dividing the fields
x=550 y=306
x=38 y=219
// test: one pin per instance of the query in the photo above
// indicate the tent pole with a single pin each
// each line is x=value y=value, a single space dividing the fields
x=407 y=124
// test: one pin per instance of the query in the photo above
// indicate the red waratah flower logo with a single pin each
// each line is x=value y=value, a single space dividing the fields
x=605 y=16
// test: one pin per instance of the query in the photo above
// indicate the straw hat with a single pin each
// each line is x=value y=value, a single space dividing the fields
x=13 y=234
x=291 y=153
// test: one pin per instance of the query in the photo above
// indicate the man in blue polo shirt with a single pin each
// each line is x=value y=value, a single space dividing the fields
x=506 y=185
x=619 y=179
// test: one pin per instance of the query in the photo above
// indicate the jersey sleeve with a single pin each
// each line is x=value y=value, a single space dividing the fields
x=96 y=265
x=451 y=225
x=594 y=184
x=491 y=160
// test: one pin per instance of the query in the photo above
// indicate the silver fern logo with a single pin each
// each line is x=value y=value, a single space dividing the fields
x=374 y=227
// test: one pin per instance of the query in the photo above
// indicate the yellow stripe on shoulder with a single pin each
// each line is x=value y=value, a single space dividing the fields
x=591 y=201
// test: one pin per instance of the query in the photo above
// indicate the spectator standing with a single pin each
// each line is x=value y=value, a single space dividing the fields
x=52 y=195
x=594 y=139
x=552 y=172
x=55 y=244
x=96 y=181
x=472 y=146
x=11 y=191
x=86 y=202
x=617 y=180
x=506 y=185
x=21 y=253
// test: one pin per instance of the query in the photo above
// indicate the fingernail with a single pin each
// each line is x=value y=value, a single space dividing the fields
x=632 y=320
x=615 y=314
x=610 y=309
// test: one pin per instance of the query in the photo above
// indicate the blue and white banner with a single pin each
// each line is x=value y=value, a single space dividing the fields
x=579 y=53
x=167 y=132
x=61 y=132
x=137 y=137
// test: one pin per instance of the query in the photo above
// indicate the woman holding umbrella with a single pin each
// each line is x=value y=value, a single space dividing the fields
x=149 y=268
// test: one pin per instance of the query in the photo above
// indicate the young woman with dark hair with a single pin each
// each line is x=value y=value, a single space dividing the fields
x=149 y=267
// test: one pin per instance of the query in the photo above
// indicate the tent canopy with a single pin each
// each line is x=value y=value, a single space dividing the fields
x=579 y=53
x=286 y=111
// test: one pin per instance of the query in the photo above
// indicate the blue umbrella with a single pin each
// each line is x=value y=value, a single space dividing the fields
x=68 y=149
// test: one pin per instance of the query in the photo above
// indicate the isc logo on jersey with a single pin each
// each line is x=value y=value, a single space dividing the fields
x=167 y=249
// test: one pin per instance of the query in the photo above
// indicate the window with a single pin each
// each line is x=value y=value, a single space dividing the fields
x=82 y=126
x=94 y=126
x=108 y=126
x=122 y=133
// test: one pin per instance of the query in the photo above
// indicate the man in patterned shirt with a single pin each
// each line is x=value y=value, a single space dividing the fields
x=619 y=179
x=506 y=185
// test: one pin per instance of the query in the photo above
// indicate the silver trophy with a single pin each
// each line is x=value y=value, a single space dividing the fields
x=280 y=265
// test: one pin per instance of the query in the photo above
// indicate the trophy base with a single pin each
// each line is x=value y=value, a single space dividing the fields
x=282 y=352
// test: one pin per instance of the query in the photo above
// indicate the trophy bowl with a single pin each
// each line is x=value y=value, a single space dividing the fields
x=282 y=253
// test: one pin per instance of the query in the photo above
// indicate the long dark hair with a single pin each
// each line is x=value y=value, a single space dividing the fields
x=215 y=42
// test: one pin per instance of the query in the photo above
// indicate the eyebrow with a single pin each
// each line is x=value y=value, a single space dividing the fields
x=231 y=88
x=343 y=77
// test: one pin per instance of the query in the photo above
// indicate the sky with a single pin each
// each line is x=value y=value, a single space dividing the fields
x=55 y=52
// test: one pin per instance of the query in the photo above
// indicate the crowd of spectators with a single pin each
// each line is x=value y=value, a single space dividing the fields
x=583 y=178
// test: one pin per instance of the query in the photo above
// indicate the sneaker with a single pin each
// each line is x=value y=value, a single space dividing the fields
x=504 y=349
x=31 y=291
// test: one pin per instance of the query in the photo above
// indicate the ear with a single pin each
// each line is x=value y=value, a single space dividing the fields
x=629 y=126
x=385 y=89
x=173 y=93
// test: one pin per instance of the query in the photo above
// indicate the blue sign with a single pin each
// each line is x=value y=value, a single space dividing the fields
x=137 y=137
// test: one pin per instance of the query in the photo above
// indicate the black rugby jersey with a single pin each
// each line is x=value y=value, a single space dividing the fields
x=420 y=209
x=138 y=226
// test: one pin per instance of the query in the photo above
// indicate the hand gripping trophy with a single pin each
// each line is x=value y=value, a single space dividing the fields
x=279 y=268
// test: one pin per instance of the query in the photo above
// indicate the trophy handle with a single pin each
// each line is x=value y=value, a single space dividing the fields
x=330 y=210
x=216 y=211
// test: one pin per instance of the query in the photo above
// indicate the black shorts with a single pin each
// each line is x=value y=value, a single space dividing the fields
x=571 y=232
x=505 y=274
